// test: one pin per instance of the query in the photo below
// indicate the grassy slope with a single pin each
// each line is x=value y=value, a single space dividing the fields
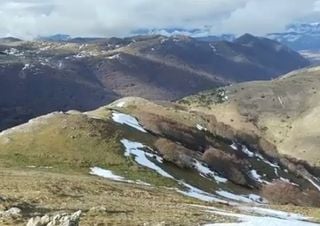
x=284 y=111
x=102 y=202
x=72 y=142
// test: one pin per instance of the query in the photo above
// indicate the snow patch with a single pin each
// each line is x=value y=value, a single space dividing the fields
x=201 y=128
x=213 y=47
x=248 y=220
x=288 y=181
x=234 y=146
x=252 y=198
x=45 y=48
x=114 y=57
x=105 y=173
x=134 y=149
x=251 y=154
x=317 y=186
x=13 y=52
x=108 y=174
x=256 y=198
x=60 y=65
x=79 y=56
x=205 y=171
x=199 y=194
x=274 y=213
x=222 y=95
x=26 y=66
x=83 y=46
x=254 y=174
x=128 y=120
x=245 y=150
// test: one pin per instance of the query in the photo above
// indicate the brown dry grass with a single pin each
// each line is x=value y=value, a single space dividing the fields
x=103 y=202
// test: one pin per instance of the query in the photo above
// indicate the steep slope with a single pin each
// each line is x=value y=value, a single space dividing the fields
x=83 y=73
x=278 y=59
x=162 y=158
x=246 y=58
x=284 y=111
x=195 y=153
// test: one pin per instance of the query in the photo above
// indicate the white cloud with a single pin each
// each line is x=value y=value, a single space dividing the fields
x=262 y=17
x=30 y=18
x=317 y=6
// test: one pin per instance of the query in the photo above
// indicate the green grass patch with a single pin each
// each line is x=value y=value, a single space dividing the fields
x=74 y=142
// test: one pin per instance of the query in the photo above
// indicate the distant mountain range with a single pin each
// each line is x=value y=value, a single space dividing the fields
x=299 y=36
x=55 y=38
x=83 y=73
x=203 y=34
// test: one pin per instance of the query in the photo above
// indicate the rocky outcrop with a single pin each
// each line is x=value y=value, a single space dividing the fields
x=283 y=193
x=229 y=165
x=180 y=142
x=174 y=153
x=165 y=127
x=63 y=219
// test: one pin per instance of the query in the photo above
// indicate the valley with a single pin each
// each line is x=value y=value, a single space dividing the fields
x=184 y=152
x=38 y=77
x=159 y=113
x=155 y=130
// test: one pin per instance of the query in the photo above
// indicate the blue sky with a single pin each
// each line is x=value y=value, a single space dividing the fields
x=31 y=18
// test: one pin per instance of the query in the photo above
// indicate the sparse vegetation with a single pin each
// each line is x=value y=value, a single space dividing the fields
x=207 y=98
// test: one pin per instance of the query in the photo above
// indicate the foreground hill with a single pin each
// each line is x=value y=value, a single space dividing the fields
x=40 y=77
x=150 y=151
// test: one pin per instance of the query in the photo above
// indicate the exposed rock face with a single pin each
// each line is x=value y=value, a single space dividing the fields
x=56 y=220
x=163 y=126
x=174 y=153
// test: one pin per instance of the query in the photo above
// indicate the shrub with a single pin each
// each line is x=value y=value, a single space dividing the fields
x=229 y=165
x=283 y=193
x=174 y=153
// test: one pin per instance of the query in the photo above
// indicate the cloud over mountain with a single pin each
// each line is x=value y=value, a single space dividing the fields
x=30 y=18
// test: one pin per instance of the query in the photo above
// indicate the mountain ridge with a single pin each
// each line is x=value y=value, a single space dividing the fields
x=86 y=73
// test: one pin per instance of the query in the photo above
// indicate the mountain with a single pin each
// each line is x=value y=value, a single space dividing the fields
x=283 y=111
x=303 y=36
x=202 y=34
x=83 y=73
x=297 y=36
x=181 y=162
x=212 y=38
x=55 y=38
